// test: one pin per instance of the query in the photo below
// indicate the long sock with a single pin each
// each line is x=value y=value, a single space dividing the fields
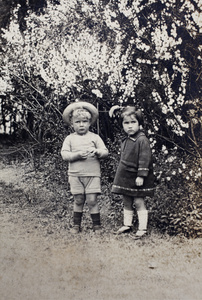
x=143 y=219
x=77 y=218
x=96 y=219
x=127 y=217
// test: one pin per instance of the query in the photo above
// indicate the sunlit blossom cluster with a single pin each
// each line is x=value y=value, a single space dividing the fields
x=58 y=47
x=193 y=18
x=175 y=167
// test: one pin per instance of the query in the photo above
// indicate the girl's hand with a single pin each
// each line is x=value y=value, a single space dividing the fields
x=139 y=181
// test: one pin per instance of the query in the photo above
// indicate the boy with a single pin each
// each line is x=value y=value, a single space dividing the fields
x=83 y=150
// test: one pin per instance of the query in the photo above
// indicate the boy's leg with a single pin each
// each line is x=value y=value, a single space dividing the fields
x=79 y=201
x=127 y=214
x=91 y=200
x=142 y=213
x=92 y=189
x=77 y=191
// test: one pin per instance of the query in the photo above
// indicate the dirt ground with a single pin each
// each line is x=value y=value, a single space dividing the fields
x=37 y=263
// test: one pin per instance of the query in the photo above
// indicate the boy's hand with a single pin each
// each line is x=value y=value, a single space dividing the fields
x=139 y=181
x=95 y=152
x=83 y=154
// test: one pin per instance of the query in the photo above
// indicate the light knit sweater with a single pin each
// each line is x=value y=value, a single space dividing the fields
x=88 y=142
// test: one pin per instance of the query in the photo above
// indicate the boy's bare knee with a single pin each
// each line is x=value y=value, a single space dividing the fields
x=79 y=199
x=91 y=200
x=91 y=203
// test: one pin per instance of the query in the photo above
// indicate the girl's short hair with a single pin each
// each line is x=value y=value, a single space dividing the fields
x=131 y=110
x=81 y=112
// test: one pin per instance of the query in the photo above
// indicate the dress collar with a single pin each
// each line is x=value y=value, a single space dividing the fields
x=136 y=135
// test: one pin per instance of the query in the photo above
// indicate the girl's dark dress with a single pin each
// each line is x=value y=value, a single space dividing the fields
x=136 y=161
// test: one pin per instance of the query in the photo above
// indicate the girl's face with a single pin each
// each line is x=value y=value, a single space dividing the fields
x=81 y=124
x=130 y=125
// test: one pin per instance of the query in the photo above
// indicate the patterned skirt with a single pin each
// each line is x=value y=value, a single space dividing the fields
x=124 y=183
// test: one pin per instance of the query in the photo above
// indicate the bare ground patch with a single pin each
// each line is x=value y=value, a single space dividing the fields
x=41 y=260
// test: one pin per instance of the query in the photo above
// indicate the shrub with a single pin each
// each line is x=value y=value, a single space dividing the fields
x=176 y=207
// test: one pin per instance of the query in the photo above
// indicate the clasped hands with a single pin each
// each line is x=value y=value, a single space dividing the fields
x=88 y=153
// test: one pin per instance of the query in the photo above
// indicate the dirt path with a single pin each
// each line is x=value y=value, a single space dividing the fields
x=39 y=266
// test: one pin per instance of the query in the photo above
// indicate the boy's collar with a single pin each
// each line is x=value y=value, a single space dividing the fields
x=75 y=133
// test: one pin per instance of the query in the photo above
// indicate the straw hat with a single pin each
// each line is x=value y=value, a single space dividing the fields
x=80 y=104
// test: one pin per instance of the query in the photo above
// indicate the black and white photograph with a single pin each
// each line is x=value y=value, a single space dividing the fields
x=100 y=150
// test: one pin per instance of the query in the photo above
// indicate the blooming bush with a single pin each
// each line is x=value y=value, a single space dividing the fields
x=112 y=52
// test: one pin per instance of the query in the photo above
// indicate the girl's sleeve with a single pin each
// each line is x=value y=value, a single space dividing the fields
x=145 y=157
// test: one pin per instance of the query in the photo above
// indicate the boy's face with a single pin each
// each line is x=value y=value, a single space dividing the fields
x=81 y=124
x=130 y=125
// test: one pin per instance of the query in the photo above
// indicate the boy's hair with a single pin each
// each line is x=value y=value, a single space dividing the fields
x=131 y=110
x=81 y=112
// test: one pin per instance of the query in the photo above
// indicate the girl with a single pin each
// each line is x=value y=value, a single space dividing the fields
x=134 y=176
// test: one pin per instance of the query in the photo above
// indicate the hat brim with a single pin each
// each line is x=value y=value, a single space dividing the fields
x=81 y=104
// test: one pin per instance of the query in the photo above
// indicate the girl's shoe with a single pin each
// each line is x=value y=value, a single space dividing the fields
x=124 y=229
x=140 y=234
x=75 y=229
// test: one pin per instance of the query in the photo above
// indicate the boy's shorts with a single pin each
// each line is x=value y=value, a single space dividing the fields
x=84 y=185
